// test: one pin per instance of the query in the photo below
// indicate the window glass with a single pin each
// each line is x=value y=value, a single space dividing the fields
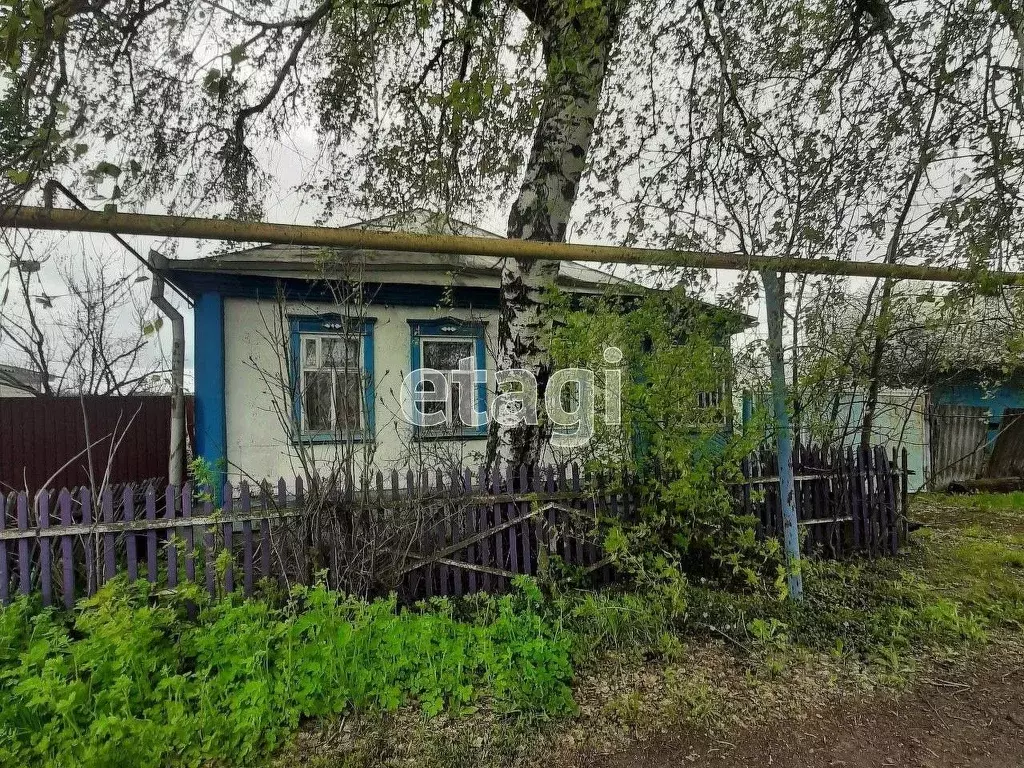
x=446 y=356
x=339 y=352
x=316 y=401
x=349 y=396
x=310 y=358
x=427 y=385
x=331 y=383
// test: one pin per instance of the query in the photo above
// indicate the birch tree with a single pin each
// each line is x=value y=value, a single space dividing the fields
x=448 y=104
x=576 y=43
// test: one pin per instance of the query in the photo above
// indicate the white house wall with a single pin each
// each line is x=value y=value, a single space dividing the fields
x=900 y=422
x=259 y=446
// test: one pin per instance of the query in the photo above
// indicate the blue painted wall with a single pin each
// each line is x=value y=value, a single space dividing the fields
x=969 y=391
x=211 y=428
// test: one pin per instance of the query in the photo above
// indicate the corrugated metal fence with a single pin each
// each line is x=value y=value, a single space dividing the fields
x=43 y=439
x=959 y=437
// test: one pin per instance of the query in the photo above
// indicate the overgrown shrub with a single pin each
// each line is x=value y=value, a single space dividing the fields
x=672 y=441
x=128 y=680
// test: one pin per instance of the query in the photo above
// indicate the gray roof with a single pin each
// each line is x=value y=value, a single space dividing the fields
x=392 y=266
x=21 y=378
x=384 y=266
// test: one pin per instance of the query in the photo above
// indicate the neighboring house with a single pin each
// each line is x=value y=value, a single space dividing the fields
x=900 y=422
x=20 y=382
x=951 y=373
x=303 y=353
x=995 y=392
x=950 y=426
x=974 y=425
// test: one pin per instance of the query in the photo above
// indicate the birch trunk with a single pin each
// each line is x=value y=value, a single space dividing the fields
x=576 y=39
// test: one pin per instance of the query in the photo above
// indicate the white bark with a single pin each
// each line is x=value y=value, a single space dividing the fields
x=582 y=39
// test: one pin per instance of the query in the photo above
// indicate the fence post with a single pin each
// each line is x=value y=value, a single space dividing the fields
x=228 y=496
x=90 y=542
x=499 y=538
x=109 y=556
x=209 y=543
x=67 y=550
x=45 y=564
x=188 y=532
x=856 y=508
x=265 y=500
x=128 y=501
x=24 y=561
x=510 y=514
x=480 y=526
x=247 y=565
x=170 y=512
x=282 y=504
x=525 y=527
x=904 y=483
x=5 y=596
x=151 y=535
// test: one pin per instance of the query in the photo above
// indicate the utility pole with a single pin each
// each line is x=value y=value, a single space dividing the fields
x=774 y=296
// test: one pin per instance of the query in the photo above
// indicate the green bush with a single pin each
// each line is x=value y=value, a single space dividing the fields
x=672 y=440
x=128 y=680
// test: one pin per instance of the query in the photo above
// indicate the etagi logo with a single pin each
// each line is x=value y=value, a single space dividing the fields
x=455 y=400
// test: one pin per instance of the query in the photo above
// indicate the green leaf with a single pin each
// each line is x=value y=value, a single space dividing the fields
x=150 y=328
x=17 y=177
x=212 y=81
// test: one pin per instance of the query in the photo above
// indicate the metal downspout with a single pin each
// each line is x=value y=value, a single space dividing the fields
x=176 y=463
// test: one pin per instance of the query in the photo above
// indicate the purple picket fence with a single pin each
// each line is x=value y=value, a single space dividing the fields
x=466 y=531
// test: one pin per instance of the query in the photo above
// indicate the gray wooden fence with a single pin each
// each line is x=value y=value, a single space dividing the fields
x=1007 y=457
x=847 y=501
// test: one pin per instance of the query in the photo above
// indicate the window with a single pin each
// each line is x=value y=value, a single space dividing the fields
x=331 y=383
x=454 y=399
x=332 y=366
x=710 y=400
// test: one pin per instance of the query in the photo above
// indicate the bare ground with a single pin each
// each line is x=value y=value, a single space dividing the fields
x=972 y=716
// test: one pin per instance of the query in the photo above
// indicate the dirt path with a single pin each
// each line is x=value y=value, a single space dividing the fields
x=974 y=718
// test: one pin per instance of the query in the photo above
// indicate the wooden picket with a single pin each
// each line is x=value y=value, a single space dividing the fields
x=846 y=501
x=476 y=531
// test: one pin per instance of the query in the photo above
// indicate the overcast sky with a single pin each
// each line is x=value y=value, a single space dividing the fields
x=290 y=162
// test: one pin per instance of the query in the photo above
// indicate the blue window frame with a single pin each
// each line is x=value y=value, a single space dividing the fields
x=439 y=344
x=332 y=378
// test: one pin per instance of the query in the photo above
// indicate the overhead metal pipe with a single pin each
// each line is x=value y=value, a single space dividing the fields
x=157 y=225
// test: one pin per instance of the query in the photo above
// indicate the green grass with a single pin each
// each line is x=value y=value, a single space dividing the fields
x=126 y=678
x=961 y=578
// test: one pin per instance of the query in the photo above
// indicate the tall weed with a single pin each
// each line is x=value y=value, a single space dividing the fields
x=128 y=680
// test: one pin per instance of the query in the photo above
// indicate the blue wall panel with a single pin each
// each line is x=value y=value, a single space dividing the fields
x=211 y=432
